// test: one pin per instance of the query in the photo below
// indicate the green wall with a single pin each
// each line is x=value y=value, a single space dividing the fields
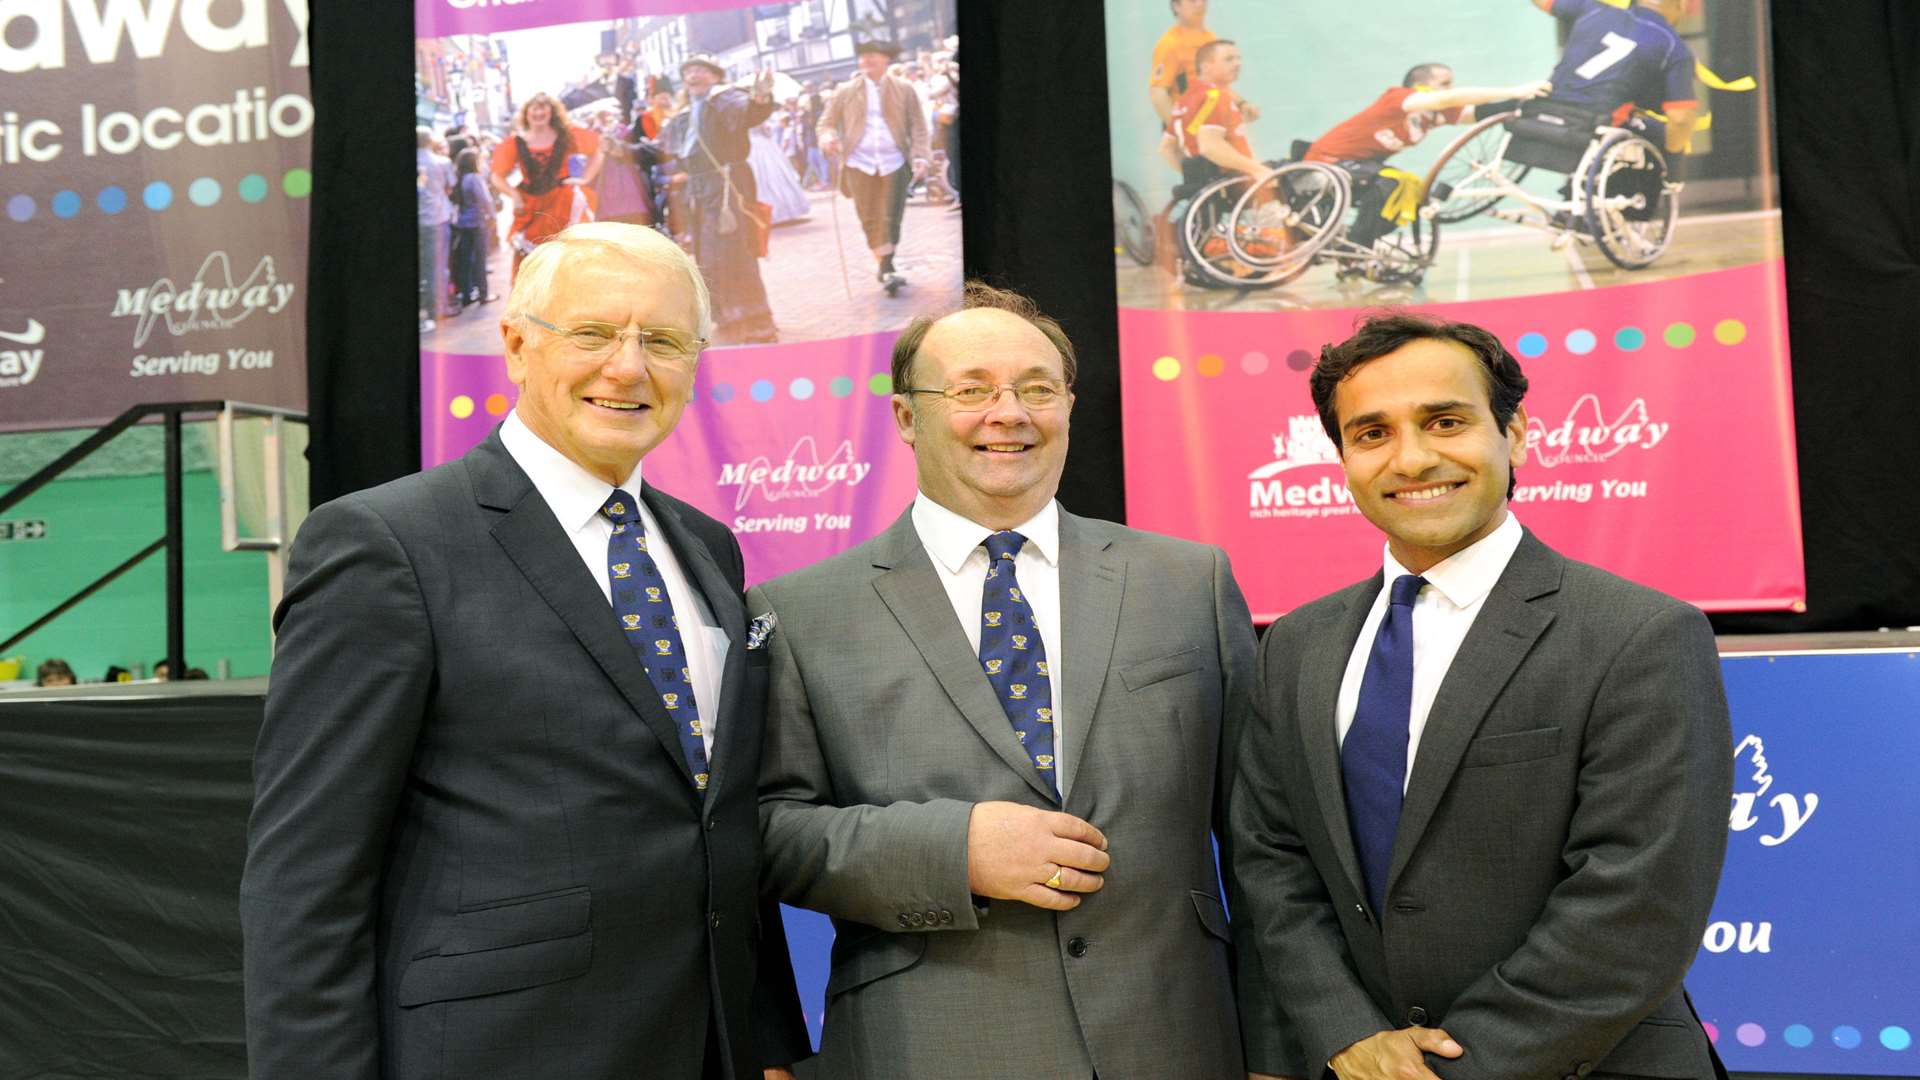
x=95 y=523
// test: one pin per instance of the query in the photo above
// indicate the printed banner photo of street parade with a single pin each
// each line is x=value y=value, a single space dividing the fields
x=1590 y=179
x=805 y=154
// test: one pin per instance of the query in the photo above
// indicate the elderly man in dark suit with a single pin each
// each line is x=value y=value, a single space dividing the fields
x=1480 y=820
x=710 y=137
x=504 y=818
x=994 y=737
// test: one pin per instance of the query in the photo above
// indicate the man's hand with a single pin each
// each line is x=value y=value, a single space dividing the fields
x=1527 y=91
x=1395 y=1055
x=1267 y=1076
x=776 y=1074
x=763 y=84
x=830 y=144
x=1012 y=850
x=1249 y=111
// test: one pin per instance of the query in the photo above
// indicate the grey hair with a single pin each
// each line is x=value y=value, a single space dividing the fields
x=533 y=285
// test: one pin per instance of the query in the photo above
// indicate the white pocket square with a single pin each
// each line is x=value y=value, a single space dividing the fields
x=760 y=629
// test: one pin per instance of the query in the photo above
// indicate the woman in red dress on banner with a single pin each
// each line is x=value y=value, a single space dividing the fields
x=549 y=196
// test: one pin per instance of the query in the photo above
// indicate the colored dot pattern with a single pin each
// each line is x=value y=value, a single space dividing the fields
x=800 y=389
x=158 y=196
x=1893 y=1037
x=1532 y=344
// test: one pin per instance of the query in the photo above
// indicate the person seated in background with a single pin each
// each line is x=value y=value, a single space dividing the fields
x=1619 y=59
x=54 y=672
x=1400 y=117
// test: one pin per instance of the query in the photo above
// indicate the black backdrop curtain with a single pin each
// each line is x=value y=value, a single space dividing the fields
x=1034 y=126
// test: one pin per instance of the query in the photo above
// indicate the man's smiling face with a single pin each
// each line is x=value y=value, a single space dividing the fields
x=1000 y=465
x=603 y=413
x=1424 y=457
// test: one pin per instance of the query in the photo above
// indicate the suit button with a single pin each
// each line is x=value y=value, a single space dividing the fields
x=933 y=918
x=1077 y=947
x=710 y=824
x=1583 y=1068
x=905 y=920
x=713 y=919
x=946 y=917
x=917 y=919
x=1417 y=1016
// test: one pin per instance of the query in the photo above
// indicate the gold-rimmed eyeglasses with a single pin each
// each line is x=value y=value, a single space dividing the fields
x=677 y=349
x=1035 y=394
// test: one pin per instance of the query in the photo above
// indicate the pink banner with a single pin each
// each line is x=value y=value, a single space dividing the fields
x=1660 y=438
x=792 y=446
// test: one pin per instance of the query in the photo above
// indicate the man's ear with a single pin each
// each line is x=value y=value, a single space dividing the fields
x=903 y=417
x=1517 y=433
x=513 y=342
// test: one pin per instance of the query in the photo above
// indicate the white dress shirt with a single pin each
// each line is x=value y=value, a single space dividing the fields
x=575 y=496
x=1456 y=588
x=878 y=154
x=955 y=545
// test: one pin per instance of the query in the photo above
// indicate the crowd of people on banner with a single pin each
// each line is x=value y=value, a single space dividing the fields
x=713 y=161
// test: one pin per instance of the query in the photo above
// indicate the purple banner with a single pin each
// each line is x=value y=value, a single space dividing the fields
x=154 y=170
x=789 y=438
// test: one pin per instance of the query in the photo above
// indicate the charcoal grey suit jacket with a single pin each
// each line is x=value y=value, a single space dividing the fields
x=1558 y=850
x=476 y=848
x=882 y=732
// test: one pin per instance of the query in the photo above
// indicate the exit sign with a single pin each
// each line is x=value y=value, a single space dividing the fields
x=23 y=530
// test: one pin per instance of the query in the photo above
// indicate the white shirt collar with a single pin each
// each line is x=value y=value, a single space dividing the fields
x=572 y=493
x=1468 y=575
x=952 y=539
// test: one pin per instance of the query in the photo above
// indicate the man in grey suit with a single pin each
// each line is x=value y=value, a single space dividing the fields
x=993 y=736
x=1480 y=818
x=504 y=817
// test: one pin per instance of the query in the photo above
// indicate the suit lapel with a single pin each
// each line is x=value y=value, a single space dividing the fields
x=1502 y=635
x=913 y=592
x=533 y=539
x=1321 y=671
x=1092 y=579
x=697 y=562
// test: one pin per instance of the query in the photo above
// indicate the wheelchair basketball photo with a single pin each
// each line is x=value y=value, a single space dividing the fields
x=1426 y=153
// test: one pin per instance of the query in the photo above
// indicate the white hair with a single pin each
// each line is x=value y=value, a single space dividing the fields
x=533 y=285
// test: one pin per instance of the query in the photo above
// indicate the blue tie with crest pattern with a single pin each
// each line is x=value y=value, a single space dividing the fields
x=1373 y=757
x=1013 y=655
x=645 y=611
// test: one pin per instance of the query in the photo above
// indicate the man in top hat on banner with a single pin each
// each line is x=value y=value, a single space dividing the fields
x=875 y=125
x=1482 y=806
x=725 y=224
x=503 y=819
x=995 y=738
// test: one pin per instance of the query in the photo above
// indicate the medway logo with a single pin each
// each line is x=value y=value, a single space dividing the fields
x=802 y=475
x=204 y=304
x=1785 y=811
x=1585 y=436
x=1271 y=494
x=20 y=366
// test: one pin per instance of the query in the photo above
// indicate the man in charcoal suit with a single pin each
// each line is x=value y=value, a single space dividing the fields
x=1480 y=817
x=504 y=822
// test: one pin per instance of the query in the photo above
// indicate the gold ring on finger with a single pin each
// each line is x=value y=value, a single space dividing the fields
x=1054 y=881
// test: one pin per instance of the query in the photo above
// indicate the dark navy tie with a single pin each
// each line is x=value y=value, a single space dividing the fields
x=645 y=611
x=1373 y=759
x=1014 y=656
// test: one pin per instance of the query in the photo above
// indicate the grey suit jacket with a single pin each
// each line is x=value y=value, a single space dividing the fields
x=476 y=847
x=1559 y=846
x=882 y=732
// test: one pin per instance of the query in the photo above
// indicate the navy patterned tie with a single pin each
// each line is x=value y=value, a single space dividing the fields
x=1373 y=758
x=1014 y=656
x=645 y=611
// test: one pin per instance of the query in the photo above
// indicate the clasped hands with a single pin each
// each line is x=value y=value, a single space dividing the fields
x=1395 y=1055
x=1039 y=857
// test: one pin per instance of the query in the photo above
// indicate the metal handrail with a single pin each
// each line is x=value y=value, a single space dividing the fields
x=171 y=541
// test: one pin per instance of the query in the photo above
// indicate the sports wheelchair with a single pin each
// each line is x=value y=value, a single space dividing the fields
x=1231 y=231
x=1621 y=195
